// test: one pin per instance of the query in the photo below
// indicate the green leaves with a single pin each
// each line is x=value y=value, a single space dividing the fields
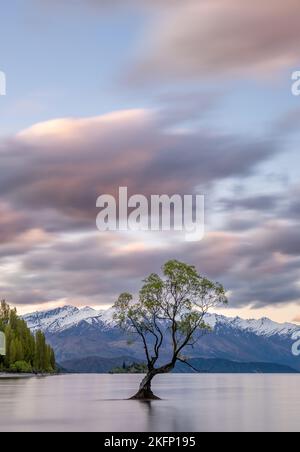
x=170 y=310
x=24 y=352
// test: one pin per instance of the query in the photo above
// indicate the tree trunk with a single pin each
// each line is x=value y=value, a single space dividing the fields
x=145 y=391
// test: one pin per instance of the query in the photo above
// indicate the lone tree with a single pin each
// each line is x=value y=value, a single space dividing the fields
x=168 y=317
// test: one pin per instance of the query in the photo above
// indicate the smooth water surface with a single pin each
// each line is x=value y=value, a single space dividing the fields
x=189 y=403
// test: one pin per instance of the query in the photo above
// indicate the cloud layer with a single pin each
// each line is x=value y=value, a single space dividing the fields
x=222 y=37
x=195 y=39
x=60 y=167
x=53 y=172
x=216 y=37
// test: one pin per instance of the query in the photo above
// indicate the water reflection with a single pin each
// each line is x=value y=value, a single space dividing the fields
x=189 y=403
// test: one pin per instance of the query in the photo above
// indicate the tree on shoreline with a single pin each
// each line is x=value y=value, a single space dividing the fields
x=24 y=351
x=169 y=314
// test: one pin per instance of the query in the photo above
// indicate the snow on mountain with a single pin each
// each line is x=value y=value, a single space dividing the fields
x=107 y=317
x=58 y=320
x=77 y=334
x=261 y=327
x=61 y=319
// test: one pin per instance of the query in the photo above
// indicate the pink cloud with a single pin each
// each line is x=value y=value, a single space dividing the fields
x=216 y=37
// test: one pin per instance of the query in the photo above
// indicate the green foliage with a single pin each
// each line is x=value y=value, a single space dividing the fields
x=170 y=311
x=21 y=367
x=24 y=351
x=135 y=368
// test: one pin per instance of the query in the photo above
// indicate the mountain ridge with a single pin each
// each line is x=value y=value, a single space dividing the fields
x=76 y=334
x=59 y=319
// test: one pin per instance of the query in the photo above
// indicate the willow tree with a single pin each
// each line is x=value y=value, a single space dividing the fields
x=168 y=317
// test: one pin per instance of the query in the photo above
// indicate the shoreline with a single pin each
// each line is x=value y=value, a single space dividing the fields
x=6 y=376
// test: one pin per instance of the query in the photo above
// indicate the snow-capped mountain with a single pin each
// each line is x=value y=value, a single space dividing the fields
x=261 y=327
x=88 y=334
x=61 y=319
x=58 y=320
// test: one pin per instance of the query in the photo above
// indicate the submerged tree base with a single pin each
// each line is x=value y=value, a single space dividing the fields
x=144 y=394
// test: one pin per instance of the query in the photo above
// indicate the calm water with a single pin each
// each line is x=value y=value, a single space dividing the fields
x=190 y=403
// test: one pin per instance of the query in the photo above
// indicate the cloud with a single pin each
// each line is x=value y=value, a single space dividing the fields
x=97 y=268
x=221 y=37
x=258 y=267
x=257 y=203
x=53 y=172
x=195 y=39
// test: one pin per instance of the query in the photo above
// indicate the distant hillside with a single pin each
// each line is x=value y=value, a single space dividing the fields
x=222 y=366
x=95 y=364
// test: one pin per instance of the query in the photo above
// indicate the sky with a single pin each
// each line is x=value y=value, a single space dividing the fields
x=163 y=97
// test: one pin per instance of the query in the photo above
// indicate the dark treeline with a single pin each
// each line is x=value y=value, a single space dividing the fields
x=24 y=351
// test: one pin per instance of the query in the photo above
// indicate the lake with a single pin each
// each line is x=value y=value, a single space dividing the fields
x=205 y=402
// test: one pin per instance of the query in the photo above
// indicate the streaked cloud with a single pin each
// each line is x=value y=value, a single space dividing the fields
x=177 y=142
x=196 y=39
x=58 y=168
x=53 y=173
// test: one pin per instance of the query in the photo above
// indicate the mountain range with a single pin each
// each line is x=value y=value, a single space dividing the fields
x=89 y=340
